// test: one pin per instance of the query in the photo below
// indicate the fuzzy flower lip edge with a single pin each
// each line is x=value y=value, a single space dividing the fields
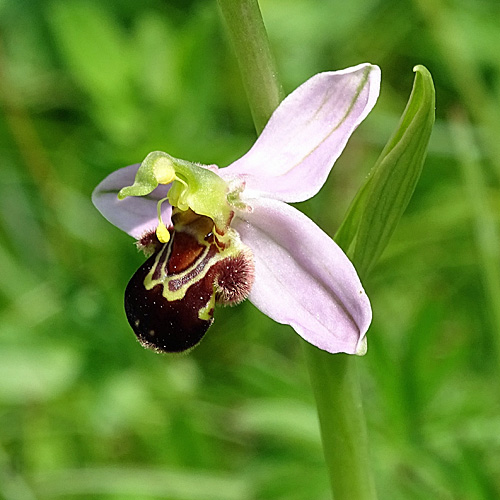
x=302 y=277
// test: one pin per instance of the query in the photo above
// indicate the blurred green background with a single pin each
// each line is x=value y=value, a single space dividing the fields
x=85 y=413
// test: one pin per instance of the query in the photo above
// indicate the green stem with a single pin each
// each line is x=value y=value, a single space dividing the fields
x=335 y=382
x=333 y=376
x=258 y=70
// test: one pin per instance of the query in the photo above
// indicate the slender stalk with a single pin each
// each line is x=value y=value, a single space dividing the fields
x=258 y=70
x=335 y=383
x=333 y=376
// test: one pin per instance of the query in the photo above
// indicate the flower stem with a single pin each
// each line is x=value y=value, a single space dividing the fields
x=334 y=377
x=335 y=383
x=258 y=70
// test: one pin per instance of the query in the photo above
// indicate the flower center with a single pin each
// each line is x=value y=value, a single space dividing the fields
x=192 y=187
x=195 y=263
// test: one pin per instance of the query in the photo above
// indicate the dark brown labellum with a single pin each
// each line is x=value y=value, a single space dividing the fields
x=160 y=320
x=170 y=300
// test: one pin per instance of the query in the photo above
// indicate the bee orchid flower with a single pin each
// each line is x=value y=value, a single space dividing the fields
x=218 y=236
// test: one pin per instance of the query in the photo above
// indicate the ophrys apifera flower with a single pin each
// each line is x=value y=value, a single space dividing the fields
x=222 y=235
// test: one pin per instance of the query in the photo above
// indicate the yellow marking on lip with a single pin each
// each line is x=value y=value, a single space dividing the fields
x=204 y=312
x=176 y=285
x=165 y=280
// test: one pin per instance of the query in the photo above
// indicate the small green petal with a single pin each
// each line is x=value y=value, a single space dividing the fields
x=201 y=190
x=193 y=187
x=146 y=179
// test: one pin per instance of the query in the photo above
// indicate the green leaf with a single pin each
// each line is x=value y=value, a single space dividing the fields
x=381 y=202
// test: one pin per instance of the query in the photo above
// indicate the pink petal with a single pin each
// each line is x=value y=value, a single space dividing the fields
x=307 y=133
x=136 y=214
x=303 y=278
